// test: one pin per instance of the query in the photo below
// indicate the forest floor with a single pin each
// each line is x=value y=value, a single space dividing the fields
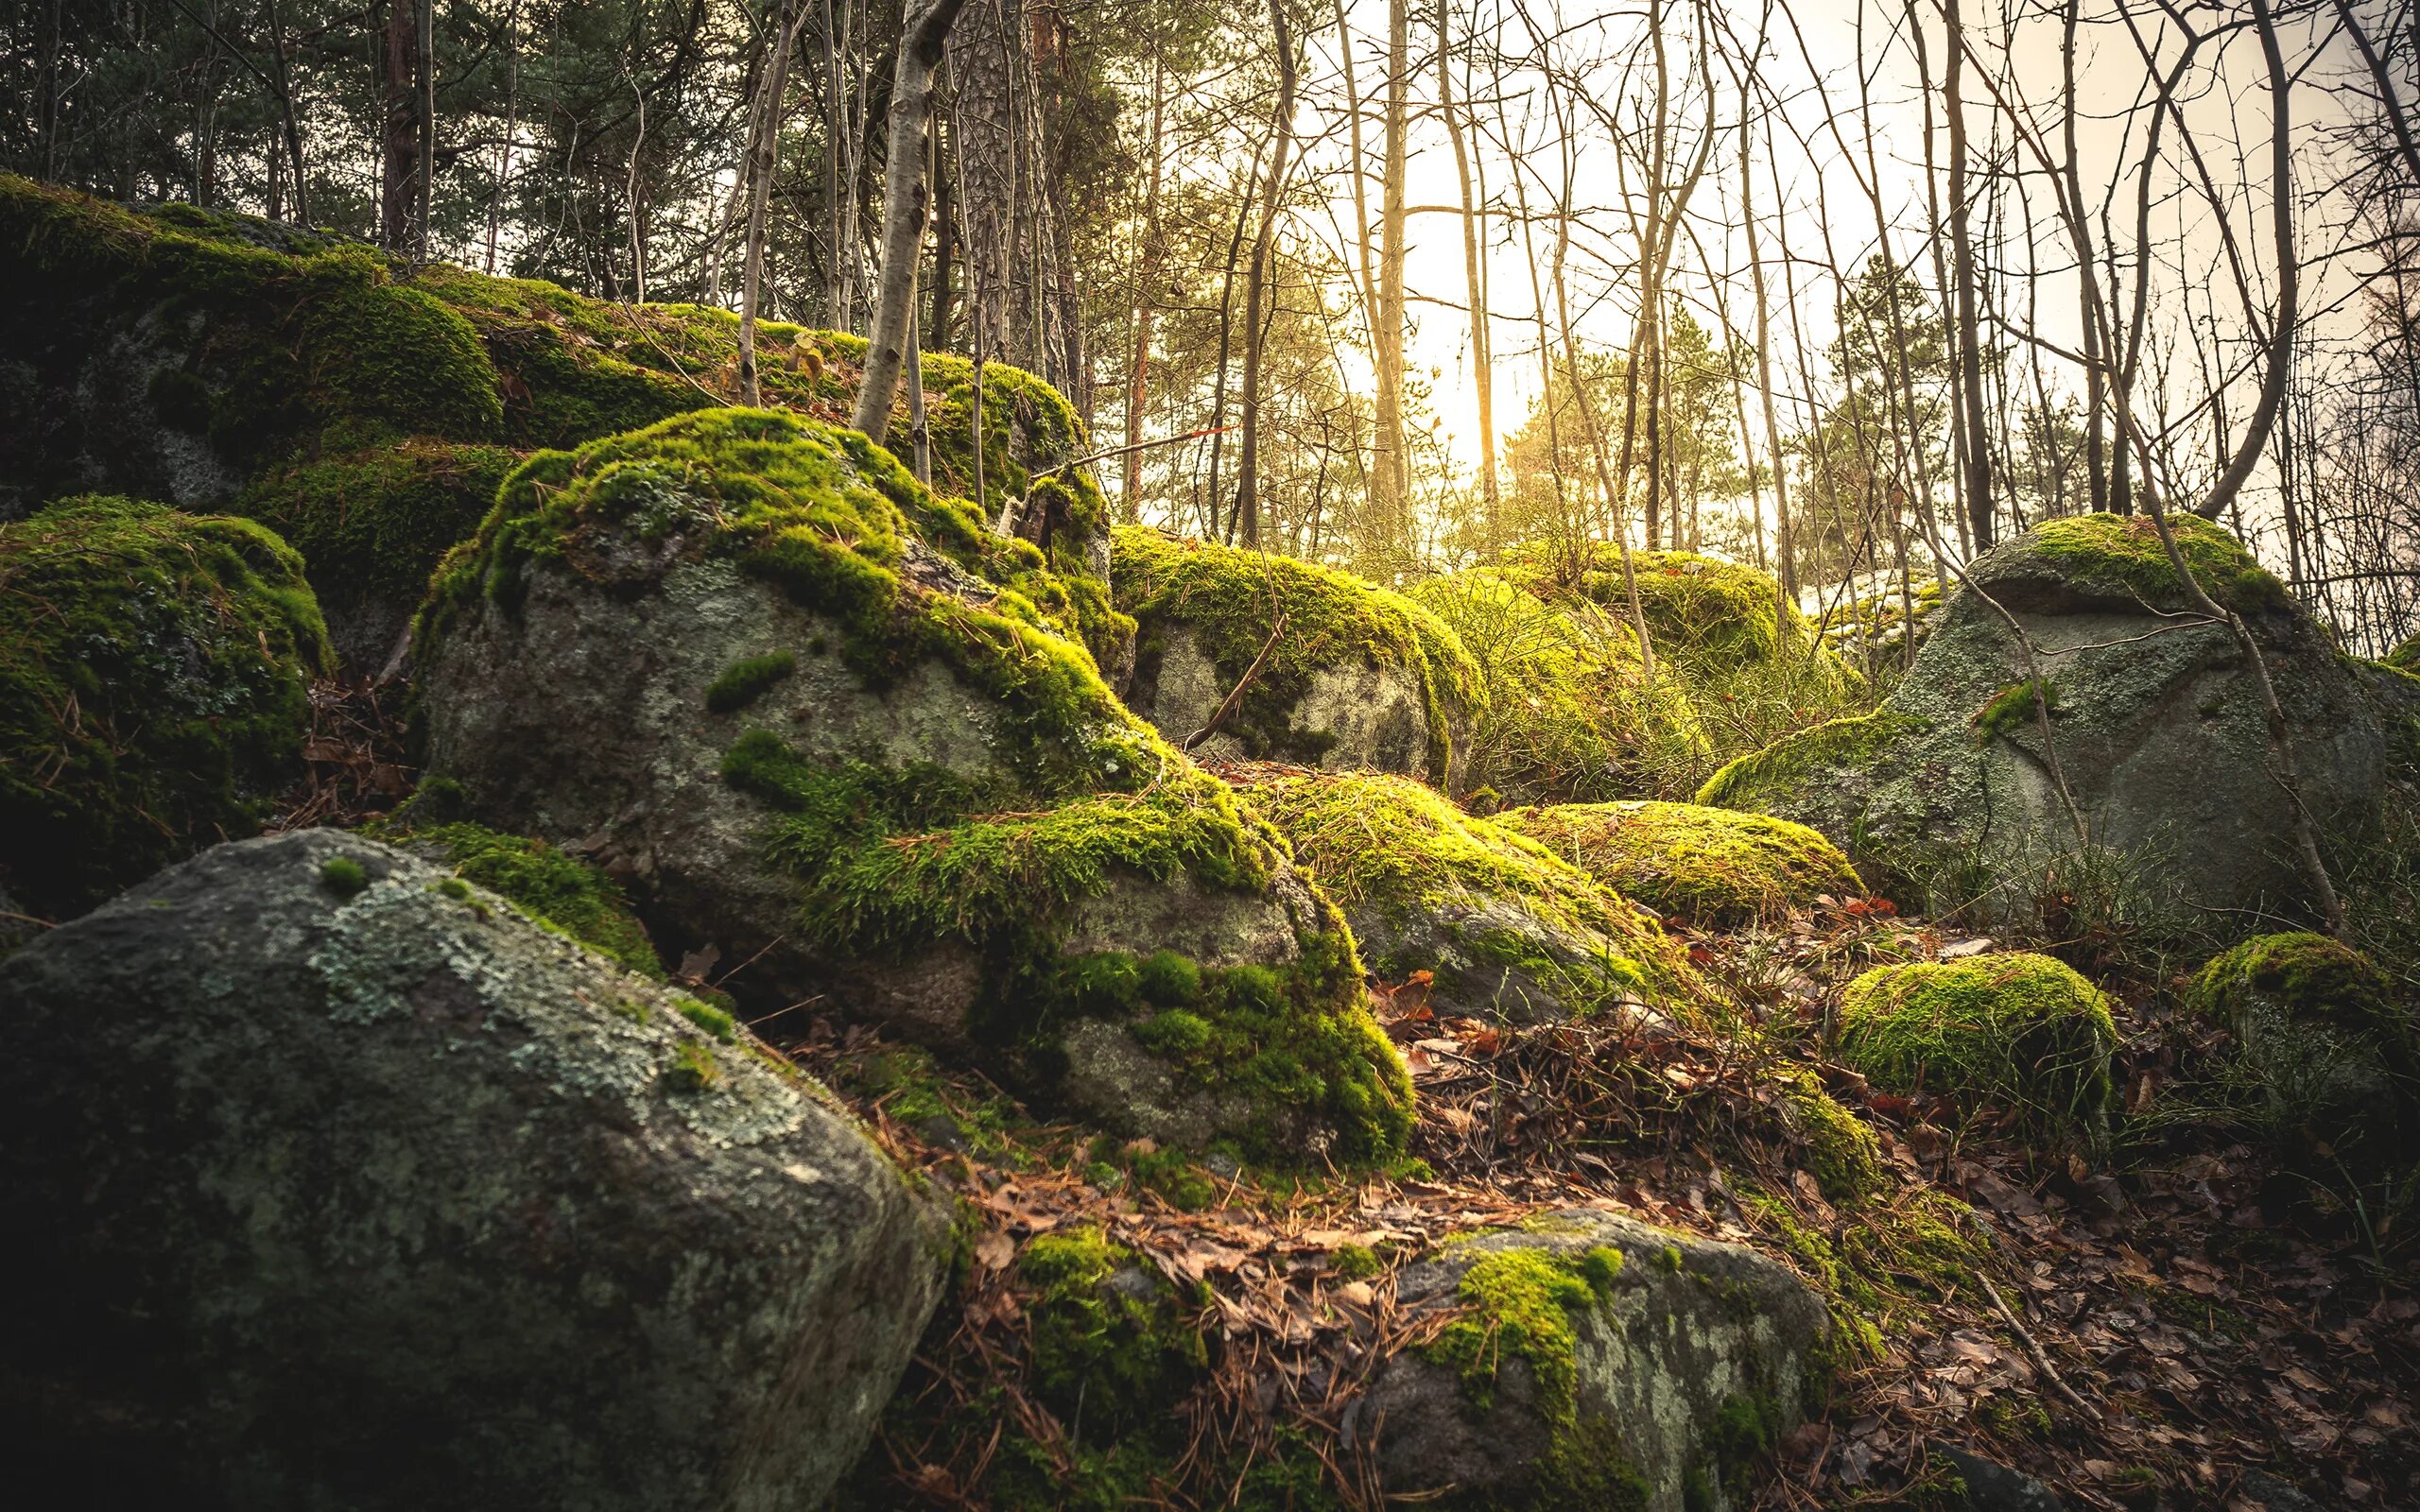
x=2174 y=1325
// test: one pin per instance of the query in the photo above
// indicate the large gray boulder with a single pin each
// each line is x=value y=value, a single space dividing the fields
x=1595 y=1361
x=337 y=1183
x=2156 y=715
x=827 y=723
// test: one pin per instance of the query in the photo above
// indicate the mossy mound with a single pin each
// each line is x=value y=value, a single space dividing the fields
x=1785 y=769
x=154 y=673
x=1506 y=929
x=1343 y=673
x=832 y=724
x=1565 y=713
x=2118 y=561
x=2327 y=1044
x=2020 y=1031
x=1835 y=1147
x=1709 y=864
x=558 y=890
x=1700 y=611
x=2406 y=658
x=373 y=526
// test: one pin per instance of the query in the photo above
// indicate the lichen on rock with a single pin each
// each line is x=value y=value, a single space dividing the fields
x=1343 y=674
x=1711 y=866
x=1506 y=929
x=2020 y=1032
x=154 y=669
x=940 y=817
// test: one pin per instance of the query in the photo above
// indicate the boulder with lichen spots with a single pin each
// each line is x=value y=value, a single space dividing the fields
x=2157 y=720
x=827 y=722
x=342 y=1184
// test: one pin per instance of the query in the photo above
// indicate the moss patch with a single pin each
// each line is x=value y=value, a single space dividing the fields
x=1834 y=1145
x=2406 y=658
x=569 y=894
x=1113 y=1347
x=1407 y=855
x=1755 y=780
x=1710 y=865
x=1229 y=600
x=2021 y=1030
x=154 y=673
x=748 y=679
x=2119 y=558
x=2324 y=1046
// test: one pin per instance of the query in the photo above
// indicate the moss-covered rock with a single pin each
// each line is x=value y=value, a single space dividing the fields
x=154 y=675
x=1834 y=1147
x=1874 y=628
x=1709 y=864
x=1507 y=930
x=940 y=817
x=1945 y=796
x=2328 y=1044
x=2020 y=1031
x=1356 y=675
x=1565 y=712
x=1592 y=1362
x=373 y=526
x=558 y=891
x=2405 y=658
x=332 y=1161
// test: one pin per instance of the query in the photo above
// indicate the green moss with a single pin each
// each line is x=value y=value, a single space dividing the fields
x=714 y=1020
x=1755 y=780
x=2120 y=557
x=2406 y=658
x=1698 y=610
x=1709 y=864
x=1834 y=1147
x=692 y=1069
x=1404 y=851
x=2309 y=977
x=343 y=876
x=2019 y=1029
x=1113 y=1347
x=2013 y=709
x=1229 y=600
x=154 y=673
x=1355 y=1263
x=748 y=679
x=568 y=893
x=371 y=526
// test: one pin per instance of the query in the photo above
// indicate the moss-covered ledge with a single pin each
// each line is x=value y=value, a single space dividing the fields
x=1713 y=865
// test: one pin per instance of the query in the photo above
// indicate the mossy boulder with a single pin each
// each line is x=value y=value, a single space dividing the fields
x=1874 y=628
x=1565 y=710
x=1709 y=865
x=1507 y=930
x=2019 y=1032
x=1343 y=674
x=1704 y=612
x=2405 y=658
x=2328 y=1043
x=1593 y=1361
x=829 y=723
x=1945 y=793
x=371 y=526
x=558 y=891
x=1834 y=1147
x=345 y=1185
x=154 y=692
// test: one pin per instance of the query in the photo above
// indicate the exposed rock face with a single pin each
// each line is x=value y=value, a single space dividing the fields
x=344 y=1185
x=1605 y=1363
x=1355 y=678
x=154 y=675
x=1507 y=930
x=834 y=727
x=2158 y=721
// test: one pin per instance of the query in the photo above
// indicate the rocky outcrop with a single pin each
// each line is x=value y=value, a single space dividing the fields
x=830 y=724
x=1709 y=865
x=1505 y=930
x=343 y=1184
x=1335 y=672
x=2159 y=728
x=154 y=675
x=1594 y=1361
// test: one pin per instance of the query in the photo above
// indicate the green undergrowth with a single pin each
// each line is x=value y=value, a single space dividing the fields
x=2120 y=558
x=2405 y=658
x=1898 y=1254
x=1565 y=712
x=154 y=692
x=2016 y=709
x=1406 y=854
x=1698 y=610
x=561 y=892
x=1230 y=601
x=1763 y=776
x=1834 y=1146
x=1709 y=864
x=2021 y=1032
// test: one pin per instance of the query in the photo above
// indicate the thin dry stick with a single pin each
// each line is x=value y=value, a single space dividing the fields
x=2033 y=1351
x=1236 y=697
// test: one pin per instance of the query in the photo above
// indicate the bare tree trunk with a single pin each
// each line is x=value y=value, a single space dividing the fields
x=631 y=192
x=399 y=135
x=925 y=30
x=2095 y=399
x=427 y=122
x=1785 y=546
x=1389 y=523
x=1281 y=129
x=1147 y=277
x=286 y=111
x=1977 y=447
x=766 y=133
x=1482 y=358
